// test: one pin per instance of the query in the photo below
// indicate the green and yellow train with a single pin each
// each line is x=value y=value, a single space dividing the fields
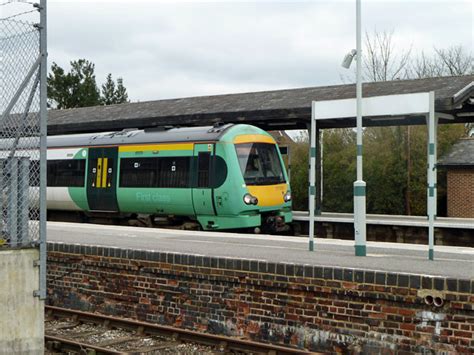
x=221 y=177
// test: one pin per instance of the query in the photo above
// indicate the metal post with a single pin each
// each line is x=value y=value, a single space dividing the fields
x=25 y=116
x=18 y=93
x=312 y=172
x=43 y=136
x=431 y=175
x=321 y=187
x=3 y=199
x=359 y=184
x=317 y=144
x=23 y=200
x=12 y=201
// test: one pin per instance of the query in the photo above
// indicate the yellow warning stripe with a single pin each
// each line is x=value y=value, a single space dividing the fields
x=104 y=172
x=253 y=138
x=98 y=178
x=179 y=146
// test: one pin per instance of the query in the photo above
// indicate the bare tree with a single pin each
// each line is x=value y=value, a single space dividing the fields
x=382 y=61
x=455 y=60
x=425 y=67
x=445 y=62
x=452 y=61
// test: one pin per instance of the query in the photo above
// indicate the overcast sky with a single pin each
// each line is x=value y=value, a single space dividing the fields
x=178 y=49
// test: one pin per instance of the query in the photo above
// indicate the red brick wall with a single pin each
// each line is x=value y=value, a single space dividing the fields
x=460 y=193
x=311 y=307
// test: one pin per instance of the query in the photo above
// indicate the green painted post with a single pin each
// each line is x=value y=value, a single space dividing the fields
x=312 y=173
x=431 y=175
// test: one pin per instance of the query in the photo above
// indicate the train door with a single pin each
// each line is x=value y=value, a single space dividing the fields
x=202 y=191
x=102 y=179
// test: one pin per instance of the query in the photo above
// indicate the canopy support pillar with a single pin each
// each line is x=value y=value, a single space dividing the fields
x=432 y=122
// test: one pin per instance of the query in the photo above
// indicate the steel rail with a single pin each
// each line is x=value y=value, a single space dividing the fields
x=78 y=345
x=220 y=342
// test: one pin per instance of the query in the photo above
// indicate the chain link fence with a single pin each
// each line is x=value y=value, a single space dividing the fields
x=20 y=64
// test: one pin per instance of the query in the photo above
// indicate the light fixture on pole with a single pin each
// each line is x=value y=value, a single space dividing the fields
x=347 y=61
x=359 y=184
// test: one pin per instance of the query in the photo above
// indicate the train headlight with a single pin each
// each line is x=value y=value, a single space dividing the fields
x=250 y=200
x=287 y=196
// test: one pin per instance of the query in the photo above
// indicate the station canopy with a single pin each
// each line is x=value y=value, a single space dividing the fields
x=269 y=110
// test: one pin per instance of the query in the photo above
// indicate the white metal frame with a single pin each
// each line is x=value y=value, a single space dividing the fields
x=404 y=105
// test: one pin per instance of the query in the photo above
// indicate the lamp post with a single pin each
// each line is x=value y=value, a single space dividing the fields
x=359 y=184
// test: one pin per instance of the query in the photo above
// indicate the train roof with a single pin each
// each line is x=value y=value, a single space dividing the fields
x=135 y=136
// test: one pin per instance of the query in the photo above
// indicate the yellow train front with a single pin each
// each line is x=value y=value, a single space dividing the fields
x=223 y=177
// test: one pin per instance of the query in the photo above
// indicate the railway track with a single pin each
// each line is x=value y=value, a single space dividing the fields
x=75 y=332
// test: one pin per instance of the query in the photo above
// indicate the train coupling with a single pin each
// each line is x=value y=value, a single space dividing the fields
x=276 y=224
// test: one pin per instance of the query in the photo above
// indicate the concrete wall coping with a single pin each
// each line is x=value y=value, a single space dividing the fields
x=395 y=279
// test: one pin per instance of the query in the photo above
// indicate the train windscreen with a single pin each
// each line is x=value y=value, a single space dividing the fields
x=260 y=163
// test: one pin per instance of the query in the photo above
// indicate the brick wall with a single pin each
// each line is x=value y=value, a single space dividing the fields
x=460 y=193
x=311 y=307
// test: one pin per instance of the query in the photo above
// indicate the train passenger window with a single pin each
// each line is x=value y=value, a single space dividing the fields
x=138 y=172
x=171 y=172
x=66 y=173
x=204 y=160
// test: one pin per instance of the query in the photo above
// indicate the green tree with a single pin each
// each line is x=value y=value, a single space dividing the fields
x=77 y=88
x=108 y=91
x=385 y=169
x=111 y=94
x=121 y=95
x=339 y=169
x=299 y=173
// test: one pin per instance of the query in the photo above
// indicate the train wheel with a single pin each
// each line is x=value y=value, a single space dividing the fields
x=136 y=223
x=195 y=226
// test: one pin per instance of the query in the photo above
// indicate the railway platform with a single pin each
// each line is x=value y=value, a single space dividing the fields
x=268 y=288
x=456 y=262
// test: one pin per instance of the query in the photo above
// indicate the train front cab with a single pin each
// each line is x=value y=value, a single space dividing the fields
x=255 y=194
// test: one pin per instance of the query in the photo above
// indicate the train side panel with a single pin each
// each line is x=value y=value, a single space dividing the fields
x=137 y=194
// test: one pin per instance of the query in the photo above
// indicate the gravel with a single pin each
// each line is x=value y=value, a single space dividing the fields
x=102 y=336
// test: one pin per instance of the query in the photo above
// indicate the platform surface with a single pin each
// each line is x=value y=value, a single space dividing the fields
x=455 y=262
